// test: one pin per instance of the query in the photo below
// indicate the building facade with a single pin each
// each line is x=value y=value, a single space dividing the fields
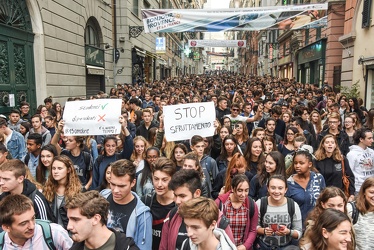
x=53 y=48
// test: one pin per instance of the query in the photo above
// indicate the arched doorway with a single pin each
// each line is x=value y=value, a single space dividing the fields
x=95 y=62
x=17 y=79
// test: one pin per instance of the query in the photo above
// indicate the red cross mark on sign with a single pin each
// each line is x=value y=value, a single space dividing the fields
x=101 y=117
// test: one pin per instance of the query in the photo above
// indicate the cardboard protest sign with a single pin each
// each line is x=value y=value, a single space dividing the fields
x=186 y=120
x=92 y=117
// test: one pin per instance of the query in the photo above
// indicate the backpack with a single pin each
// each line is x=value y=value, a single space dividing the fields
x=100 y=158
x=208 y=167
x=148 y=199
x=223 y=223
x=251 y=209
x=355 y=212
x=264 y=207
x=47 y=234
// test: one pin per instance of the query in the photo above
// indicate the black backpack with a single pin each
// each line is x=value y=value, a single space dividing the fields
x=355 y=212
x=264 y=207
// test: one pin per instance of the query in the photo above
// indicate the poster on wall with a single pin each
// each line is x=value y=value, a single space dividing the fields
x=217 y=43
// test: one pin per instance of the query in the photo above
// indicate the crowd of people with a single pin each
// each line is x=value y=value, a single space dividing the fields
x=290 y=166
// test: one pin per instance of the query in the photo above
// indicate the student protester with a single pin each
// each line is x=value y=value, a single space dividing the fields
x=241 y=134
x=34 y=144
x=361 y=156
x=332 y=165
x=253 y=155
x=24 y=128
x=335 y=229
x=25 y=109
x=221 y=109
x=127 y=213
x=177 y=155
x=270 y=130
x=146 y=125
x=335 y=128
x=273 y=164
x=279 y=125
x=37 y=127
x=62 y=185
x=296 y=122
x=4 y=154
x=186 y=185
x=88 y=216
x=280 y=217
x=50 y=124
x=229 y=148
x=47 y=153
x=222 y=132
x=144 y=184
x=268 y=144
x=110 y=153
x=22 y=231
x=259 y=133
x=306 y=184
x=13 y=181
x=15 y=120
x=104 y=187
x=287 y=146
x=349 y=128
x=138 y=154
x=236 y=206
x=200 y=216
x=208 y=164
x=16 y=144
x=74 y=149
x=161 y=201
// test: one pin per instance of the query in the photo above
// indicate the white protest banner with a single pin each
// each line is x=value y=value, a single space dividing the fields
x=92 y=117
x=186 y=120
x=217 y=43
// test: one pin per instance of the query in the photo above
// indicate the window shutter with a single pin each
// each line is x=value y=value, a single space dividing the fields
x=366 y=14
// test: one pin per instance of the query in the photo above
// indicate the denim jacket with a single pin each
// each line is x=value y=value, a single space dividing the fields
x=17 y=146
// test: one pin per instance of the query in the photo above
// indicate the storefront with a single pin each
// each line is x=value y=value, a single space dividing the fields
x=285 y=67
x=311 y=63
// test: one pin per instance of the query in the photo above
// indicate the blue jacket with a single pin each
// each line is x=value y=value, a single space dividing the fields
x=17 y=146
x=140 y=225
x=306 y=198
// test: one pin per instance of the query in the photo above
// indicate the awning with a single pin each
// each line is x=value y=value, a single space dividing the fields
x=140 y=52
x=150 y=54
x=161 y=61
x=93 y=70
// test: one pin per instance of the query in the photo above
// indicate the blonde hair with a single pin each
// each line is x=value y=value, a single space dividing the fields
x=320 y=154
x=146 y=145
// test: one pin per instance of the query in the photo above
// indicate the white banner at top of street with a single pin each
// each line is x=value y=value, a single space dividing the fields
x=217 y=43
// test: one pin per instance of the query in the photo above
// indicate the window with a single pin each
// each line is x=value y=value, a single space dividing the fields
x=135 y=7
x=147 y=5
x=306 y=36
x=318 y=33
x=91 y=35
x=366 y=14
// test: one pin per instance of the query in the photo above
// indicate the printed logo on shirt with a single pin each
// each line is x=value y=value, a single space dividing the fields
x=338 y=166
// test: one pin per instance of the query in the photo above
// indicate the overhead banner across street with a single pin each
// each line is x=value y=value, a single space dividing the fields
x=216 y=20
x=217 y=43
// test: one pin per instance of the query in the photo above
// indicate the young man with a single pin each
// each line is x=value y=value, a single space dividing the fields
x=13 y=181
x=221 y=109
x=270 y=124
x=34 y=144
x=145 y=126
x=36 y=122
x=25 y=109
x=15 y=120
x=280 y=126
x=200 y=215
x=235 y=117
x=88 y=215
x=147 y=101
x=208 y=164
x=134 y=104
x=186 y=184
x=17 y=217
x=297 y=122
x=361 y=156
x=335 y=128
x=14 y=141
x=127 y=213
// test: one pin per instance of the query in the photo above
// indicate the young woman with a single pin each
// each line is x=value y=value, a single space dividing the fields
x=227 y=122
x=74 y=149
x=364 y=210
x=110 y=153
x=306 y=184
x=333 y=230
x=286 y=117
x=191 y=161
x=47 y=153
x=330 y=162
x=177 y=155
x=315 y=119
x=58 y=110
x=253 y=154
x=218 y=139
x=24 y=128
x=144 y=183
x=268 y=144
x=357 y=121
x=138 y=155
x=90 y=145
x=331 y=197
x=273 y=164
x=276 y=226
x=62 y=185
x=241 y=134
x=222 y=183
x=349 y=128
x=287 y=147
x=235 y=205
x=258 y=133
x=161 y=201
x=354 y=107
x=229 y=148
x=104 y=187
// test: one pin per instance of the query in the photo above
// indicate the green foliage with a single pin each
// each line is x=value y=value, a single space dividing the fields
x=350 y=92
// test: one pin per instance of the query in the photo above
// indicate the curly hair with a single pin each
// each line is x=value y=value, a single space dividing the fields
x=72 y=185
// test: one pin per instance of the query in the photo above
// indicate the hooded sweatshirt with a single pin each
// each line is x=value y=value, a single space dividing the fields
x=224 y=242
x=361 y=162
x=46 y=135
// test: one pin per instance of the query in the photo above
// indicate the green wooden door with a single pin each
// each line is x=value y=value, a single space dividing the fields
x=17 y=76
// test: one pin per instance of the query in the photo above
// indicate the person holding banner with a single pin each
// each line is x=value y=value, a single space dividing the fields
x=109 y=153
x=81 y=159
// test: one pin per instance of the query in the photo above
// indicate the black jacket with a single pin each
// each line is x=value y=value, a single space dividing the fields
x=342 y=138
x=122 y=242
x=143 y=131
x=41 y=206
x=60 y=210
